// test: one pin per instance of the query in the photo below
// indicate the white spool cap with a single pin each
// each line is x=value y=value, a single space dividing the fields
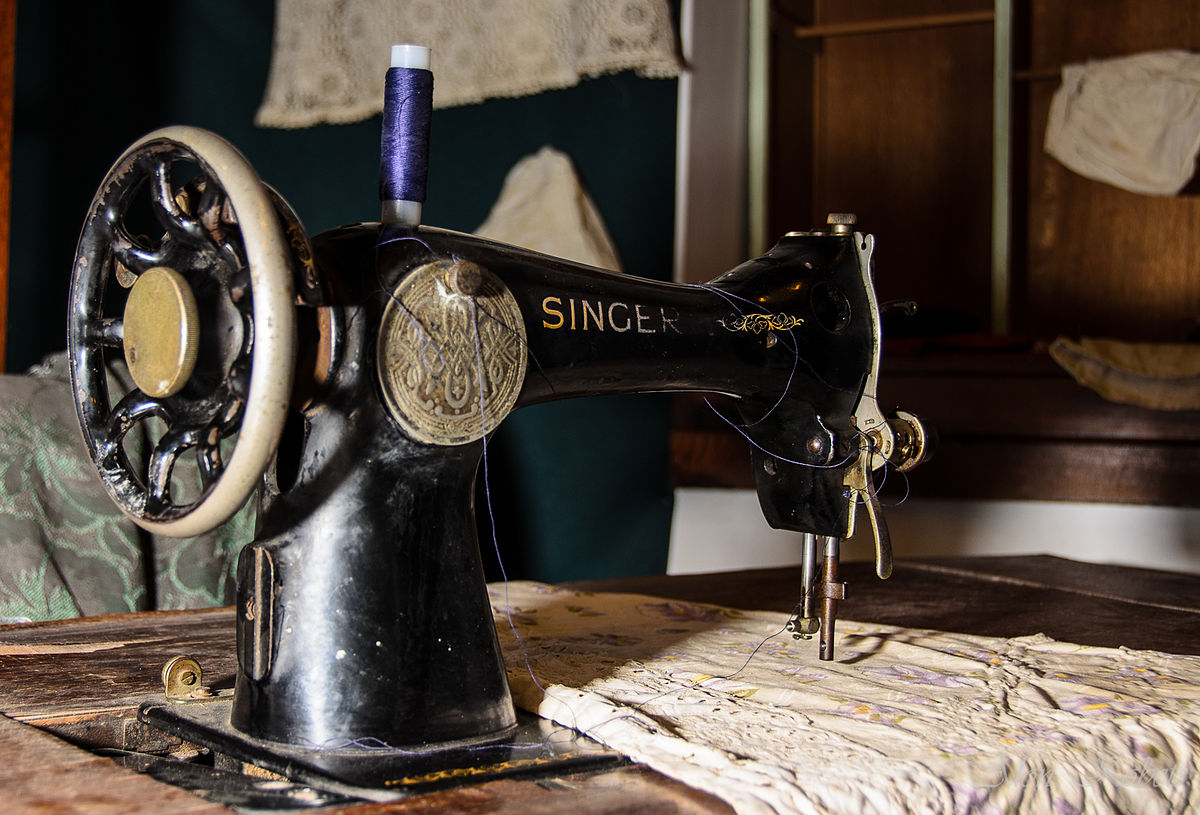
x=410 y=56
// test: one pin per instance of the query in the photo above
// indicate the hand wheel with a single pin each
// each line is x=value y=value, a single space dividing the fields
x=203 y=316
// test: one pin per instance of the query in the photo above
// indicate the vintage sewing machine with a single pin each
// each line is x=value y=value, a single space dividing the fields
x=352 y=379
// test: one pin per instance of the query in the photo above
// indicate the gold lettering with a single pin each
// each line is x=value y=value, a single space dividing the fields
x=612 y=322
x=552 y=312
x=597 y=314
x=641 y=318
x=589 y=315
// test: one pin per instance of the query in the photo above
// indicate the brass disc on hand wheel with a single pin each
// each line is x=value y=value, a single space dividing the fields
x=162 y=332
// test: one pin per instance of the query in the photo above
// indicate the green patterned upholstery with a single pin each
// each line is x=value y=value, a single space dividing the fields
x=65 y=548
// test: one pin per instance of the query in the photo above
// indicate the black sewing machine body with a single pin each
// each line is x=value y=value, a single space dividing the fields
x=370 y=612
x=363 y=616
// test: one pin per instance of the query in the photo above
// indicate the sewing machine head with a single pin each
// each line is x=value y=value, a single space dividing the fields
x=353 y=378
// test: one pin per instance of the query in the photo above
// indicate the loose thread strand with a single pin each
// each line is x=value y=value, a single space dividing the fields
x=423 y=337
x=487 y=496
x=639 y=707
x=791 y=342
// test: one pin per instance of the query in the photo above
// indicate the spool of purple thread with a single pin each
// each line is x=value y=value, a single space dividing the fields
x=404 y=146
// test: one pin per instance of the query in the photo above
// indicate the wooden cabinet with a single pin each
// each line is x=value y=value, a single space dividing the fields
x=894 y=125
x=887 y=109
x=927 y=118
x=1094 y=259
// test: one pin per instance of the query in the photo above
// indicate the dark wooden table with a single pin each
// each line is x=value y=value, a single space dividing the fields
x=78 y=683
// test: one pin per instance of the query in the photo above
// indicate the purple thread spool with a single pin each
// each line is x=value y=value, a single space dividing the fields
x=404 y=147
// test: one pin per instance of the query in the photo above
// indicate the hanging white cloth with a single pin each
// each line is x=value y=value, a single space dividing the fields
x=1133 y=122
x=544 y=207
x=330 y=56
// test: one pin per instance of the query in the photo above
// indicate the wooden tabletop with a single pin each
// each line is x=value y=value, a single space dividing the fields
x=81 y=681
x=1087 y=603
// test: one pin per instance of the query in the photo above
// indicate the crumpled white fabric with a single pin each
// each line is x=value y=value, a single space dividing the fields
x=329 y=57
x=1133 y=122
x=1158 y=375
x=905 y=720
x=543 y=206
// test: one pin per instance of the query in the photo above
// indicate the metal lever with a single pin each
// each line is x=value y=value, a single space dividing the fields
x=858 y=482
x=883 y=539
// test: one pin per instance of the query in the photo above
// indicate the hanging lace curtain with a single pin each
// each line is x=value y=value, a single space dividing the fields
x=330 y=56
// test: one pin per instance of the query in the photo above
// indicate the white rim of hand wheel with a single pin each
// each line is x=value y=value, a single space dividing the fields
x=273 y=356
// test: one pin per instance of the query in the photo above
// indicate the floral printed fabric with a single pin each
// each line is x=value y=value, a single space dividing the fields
x=904 y=720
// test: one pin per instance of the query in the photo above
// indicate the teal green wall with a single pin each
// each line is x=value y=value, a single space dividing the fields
x=580 y=488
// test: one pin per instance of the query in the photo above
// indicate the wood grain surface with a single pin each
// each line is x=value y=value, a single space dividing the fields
x=81 y=681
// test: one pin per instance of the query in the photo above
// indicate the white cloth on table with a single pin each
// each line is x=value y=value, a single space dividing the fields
x=905 y=720
x=329 y=57
x=1133 y=122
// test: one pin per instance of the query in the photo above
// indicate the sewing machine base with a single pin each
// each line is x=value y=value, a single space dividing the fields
x=536 y=747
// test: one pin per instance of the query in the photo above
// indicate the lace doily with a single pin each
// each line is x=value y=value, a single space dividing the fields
x=330 y=56
x=905 y=720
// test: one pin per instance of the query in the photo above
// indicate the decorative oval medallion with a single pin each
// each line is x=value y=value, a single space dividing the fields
x=452 y=352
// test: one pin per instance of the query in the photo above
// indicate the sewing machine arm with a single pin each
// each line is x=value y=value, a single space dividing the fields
x=792 y=337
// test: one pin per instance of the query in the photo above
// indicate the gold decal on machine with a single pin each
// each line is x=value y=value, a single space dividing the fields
x=598 y=315
x=758 y=323
x=552 y=312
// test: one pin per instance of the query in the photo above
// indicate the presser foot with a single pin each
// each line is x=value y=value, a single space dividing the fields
x=376 y=772
x=803 y=628
x=805 y=622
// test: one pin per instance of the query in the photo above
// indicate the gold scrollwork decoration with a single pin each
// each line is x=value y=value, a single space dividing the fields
x=758 y=323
